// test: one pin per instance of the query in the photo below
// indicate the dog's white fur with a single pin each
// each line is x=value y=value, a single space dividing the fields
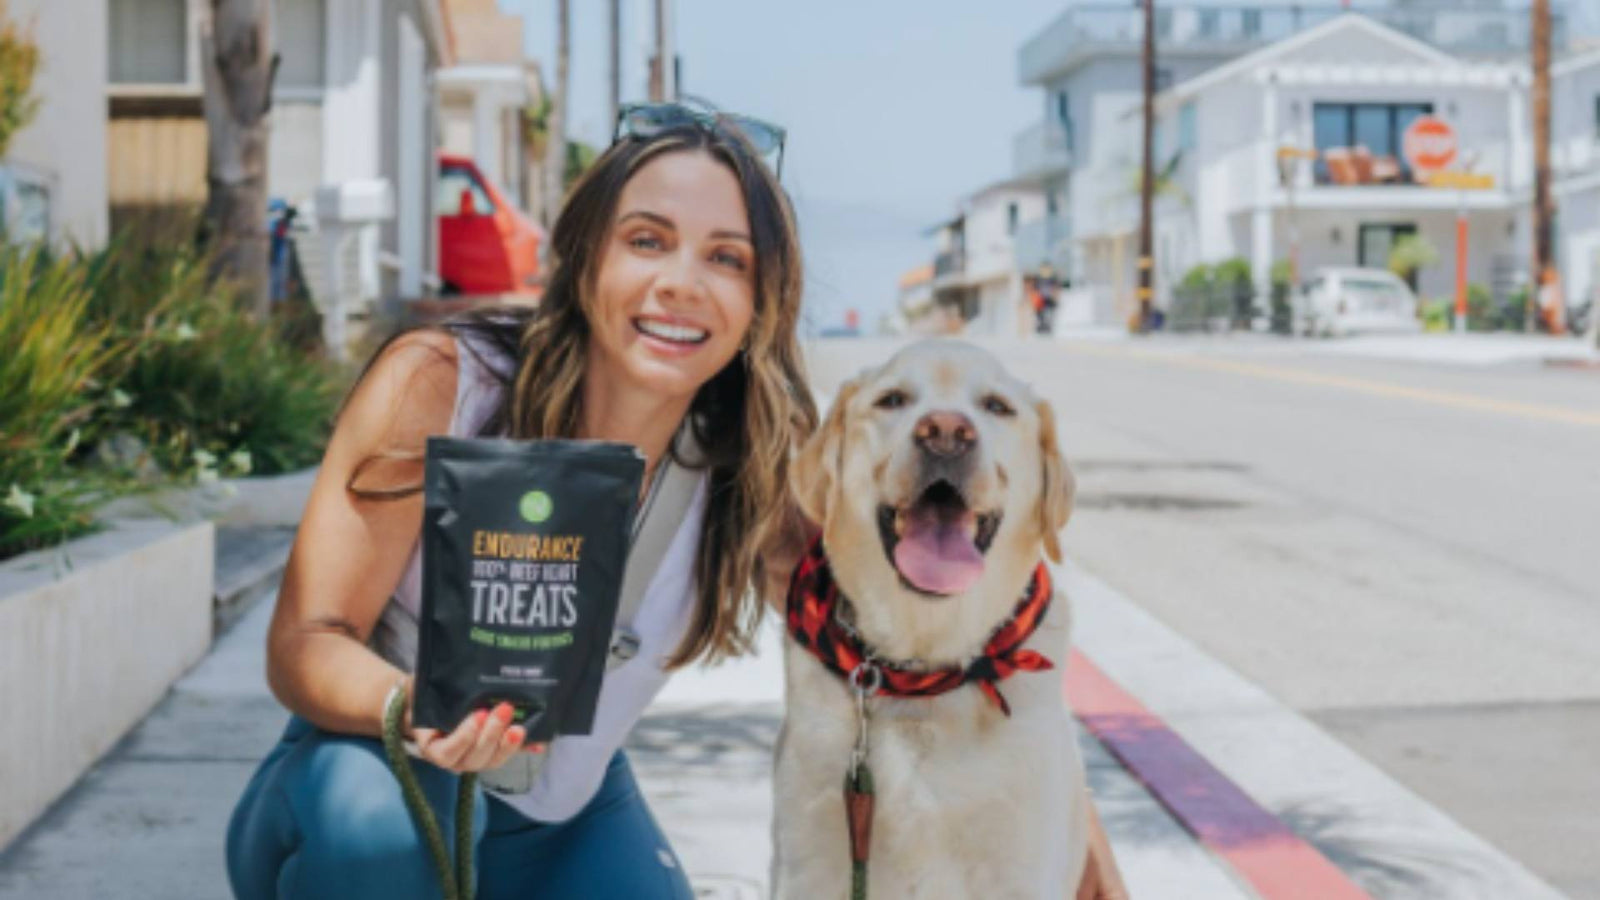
x=970 y=803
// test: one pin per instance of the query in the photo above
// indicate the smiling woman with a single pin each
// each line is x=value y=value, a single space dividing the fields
x=669 y=323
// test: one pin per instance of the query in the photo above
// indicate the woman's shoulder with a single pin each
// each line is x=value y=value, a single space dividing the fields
x=407 y=393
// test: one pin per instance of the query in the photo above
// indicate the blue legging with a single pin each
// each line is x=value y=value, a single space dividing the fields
x=323 y=818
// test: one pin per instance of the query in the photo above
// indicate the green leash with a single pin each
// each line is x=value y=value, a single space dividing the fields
x=456 y=882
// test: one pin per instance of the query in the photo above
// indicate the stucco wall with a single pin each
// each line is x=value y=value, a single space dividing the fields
x=67 y=139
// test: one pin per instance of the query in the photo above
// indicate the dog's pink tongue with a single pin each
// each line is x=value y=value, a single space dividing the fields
x=936 y=553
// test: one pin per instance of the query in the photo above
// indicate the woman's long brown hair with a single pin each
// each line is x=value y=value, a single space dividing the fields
x=746 y=419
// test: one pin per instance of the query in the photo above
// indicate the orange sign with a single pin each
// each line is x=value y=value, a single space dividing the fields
x=1429 y=145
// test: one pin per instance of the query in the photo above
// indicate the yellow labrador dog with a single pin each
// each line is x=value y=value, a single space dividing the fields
x=939 y=486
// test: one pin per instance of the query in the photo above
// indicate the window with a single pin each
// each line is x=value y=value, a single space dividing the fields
x=1374 y=243
x=299 y=30
x=1163 y=79
x=1250 y=23
x=454 y=183
x=148 y=41
x=1050 y=205
x=1011 y=218
x=1186 y=127
x=25 y=204
x=1364 y=140
x=1064 y=117
x=1209 y=19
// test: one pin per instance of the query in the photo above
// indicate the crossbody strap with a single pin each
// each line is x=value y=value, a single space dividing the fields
x=658 y=520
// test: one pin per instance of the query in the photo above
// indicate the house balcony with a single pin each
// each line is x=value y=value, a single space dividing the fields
x=1040 y=152
x=1046 y=240
x=1105 y=29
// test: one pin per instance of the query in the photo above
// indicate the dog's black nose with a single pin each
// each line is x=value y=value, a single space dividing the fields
x=945 y=433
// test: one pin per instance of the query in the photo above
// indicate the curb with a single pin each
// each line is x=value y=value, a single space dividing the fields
x=1381 y=834
x=249 y=564
x=1262 y=851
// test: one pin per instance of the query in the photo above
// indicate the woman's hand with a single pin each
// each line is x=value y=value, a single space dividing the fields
x=484 y=740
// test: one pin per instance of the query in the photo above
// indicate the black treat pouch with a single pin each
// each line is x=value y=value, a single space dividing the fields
x=524 y=544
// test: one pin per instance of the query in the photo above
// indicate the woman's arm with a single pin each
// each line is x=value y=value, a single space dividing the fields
x=349 y=554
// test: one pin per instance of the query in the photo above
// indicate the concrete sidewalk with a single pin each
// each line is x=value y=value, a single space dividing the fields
x=148 y=821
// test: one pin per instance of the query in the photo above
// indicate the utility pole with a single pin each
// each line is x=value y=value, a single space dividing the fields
x=555 y=159
x=1545 y=277
x=616 y=60
x=1146 y=291
x=658 y=61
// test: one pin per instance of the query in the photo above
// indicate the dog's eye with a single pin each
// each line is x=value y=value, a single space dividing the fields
x=996 y=406
x=891 y=400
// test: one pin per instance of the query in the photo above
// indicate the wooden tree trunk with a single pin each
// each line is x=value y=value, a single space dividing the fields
x=237 y=66
x=555 y=165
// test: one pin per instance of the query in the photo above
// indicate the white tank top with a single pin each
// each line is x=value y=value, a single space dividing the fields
x=576 y=764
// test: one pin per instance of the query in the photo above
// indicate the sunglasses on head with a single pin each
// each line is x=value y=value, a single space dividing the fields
x=646 y=120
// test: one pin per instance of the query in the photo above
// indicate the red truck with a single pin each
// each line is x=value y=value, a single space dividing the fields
x=486 y=245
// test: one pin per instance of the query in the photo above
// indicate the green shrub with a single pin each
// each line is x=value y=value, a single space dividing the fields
x=1235 y=271
x=1410 y=253
x=48 y=398
x=1200 y=277
x=19 y=63
x=1436 y=315
x=207 y=389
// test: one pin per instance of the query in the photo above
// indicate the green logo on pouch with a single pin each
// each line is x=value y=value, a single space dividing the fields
x=536 y=506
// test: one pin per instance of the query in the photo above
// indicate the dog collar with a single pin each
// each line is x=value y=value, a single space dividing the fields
x=812 y=605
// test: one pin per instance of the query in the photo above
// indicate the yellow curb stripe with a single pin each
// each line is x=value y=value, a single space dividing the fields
x=1366 y=386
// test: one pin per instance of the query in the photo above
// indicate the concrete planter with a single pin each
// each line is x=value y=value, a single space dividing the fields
x=92 y=633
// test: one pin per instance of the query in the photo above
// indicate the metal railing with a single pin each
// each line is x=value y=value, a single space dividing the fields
x=1095 y=28
x=1040 y=150
x=1043 y=241
x=950 y=262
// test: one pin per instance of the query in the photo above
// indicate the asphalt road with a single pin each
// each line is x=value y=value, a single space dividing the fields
x=1407 y=553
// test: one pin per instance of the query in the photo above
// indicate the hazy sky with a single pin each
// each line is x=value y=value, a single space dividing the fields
x=894 y=110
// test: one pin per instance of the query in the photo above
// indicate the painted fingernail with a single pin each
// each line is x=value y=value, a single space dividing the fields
x=536 y=748
x=503 y=713
x=480 y=716
x=515 y=736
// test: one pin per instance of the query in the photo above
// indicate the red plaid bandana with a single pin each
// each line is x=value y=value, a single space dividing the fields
x=813 y=598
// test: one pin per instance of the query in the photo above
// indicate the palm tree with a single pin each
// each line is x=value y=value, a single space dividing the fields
x=237 y=64
x=556 y=145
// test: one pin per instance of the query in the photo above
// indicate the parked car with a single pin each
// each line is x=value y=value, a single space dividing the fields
x=486 y=245
x=1340 y=301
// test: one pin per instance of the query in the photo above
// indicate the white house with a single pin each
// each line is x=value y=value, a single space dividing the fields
x=1333 y=78
x=354 y=125
x=53 y=180
x=975 y=271
x=1575 y=161
x=483 y=95
x=1346 y=91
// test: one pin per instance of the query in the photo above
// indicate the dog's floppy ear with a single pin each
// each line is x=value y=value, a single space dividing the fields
x=1057 y=486
x=816 y=468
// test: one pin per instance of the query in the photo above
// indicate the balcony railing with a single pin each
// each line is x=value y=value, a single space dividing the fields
x=1043 y=241
x=1098 y=28
x=948 y=263
x=1040 y=151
